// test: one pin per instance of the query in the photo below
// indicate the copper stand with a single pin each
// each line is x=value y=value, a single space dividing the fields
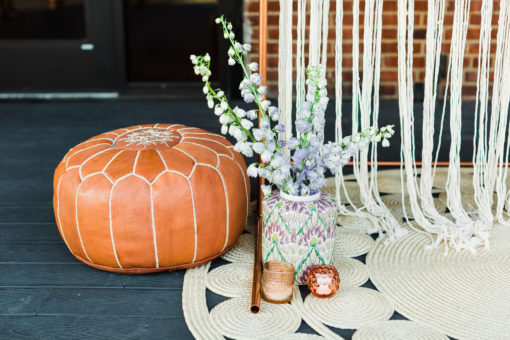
x=257 y=265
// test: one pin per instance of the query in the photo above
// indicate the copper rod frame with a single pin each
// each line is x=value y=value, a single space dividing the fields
x=257 y=265
x=257 y=262
x=398 y=163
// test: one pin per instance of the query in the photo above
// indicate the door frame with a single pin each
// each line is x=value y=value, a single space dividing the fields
x=93 y=64
x=106 y=72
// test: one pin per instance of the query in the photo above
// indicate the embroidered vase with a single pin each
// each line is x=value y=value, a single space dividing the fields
x=299 y=230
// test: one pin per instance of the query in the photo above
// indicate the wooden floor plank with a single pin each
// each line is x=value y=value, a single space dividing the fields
x=21 y=301
x=42 y=252
x=93 y=328
x=52 y=275
x=173 y=280
x=79 y=274
x=114 y=302
x=16 y=192
x=29 y=233
x=26 y=214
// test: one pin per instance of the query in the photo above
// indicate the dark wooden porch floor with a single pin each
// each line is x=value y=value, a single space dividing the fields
x=44 y=292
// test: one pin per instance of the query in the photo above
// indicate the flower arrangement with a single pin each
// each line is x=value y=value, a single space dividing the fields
x=300 y=171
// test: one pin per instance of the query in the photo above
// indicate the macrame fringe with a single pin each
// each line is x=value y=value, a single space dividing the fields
x=491 y=143
x=285 y=69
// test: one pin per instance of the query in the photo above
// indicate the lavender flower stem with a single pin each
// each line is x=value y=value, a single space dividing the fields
x=231 y=112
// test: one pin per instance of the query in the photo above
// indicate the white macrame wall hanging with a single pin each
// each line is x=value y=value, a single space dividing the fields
x=463 y=229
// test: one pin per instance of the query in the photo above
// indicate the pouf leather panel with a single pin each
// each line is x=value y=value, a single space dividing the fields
x=151 y=198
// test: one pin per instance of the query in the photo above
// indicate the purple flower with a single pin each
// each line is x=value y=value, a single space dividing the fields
x=280 y=128
x=293 y=143
x=303 y=126
x=258 y=147
x=304 y=190
x=299 y=156
x=310 y=157
x=258 y=134
x=256 y=79
x=304 y=111
x=265 y=125
x=252 y=114
x=265 y=156
x=269 y=142
x=318 y=123
x=245 y=84
x=249 y=98
x=301 y=176
x=278 y=177
x=265 y=104
x=273 y=110
x=278 y=161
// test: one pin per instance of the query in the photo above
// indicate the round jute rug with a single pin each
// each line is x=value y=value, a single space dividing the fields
x=232 y=319
x=464 y=295
x=360 y=224
x=397 y=330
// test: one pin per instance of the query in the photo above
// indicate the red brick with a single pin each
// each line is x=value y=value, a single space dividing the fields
x=389 y=47
x=388 y=90
x=389 y=19
x=388 y=75
x=420 y=6
x=390 y=6
x=475 y=19
x=419 y=62
x=420 y=34
x=473 y=33
x=389 y=33
x=471 y=76
x=389 y=60
x=475 y=6
x=419 y=47
x=468 y=90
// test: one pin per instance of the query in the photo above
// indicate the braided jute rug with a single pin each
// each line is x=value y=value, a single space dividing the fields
x=461 y=295
x=465 y=296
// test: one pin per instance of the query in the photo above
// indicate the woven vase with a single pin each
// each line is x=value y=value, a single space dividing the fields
x=299 y=230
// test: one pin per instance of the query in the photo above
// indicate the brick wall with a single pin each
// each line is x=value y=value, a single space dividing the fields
x=389 y=62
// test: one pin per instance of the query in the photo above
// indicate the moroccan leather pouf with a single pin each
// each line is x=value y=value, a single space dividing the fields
x=151 y=198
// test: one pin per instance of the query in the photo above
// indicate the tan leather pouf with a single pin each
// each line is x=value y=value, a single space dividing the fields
x=151 y=198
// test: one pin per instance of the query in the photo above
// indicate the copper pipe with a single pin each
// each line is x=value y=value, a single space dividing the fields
x=257 y=262
x=397 y=163
x=257 y=271
x=263 y=73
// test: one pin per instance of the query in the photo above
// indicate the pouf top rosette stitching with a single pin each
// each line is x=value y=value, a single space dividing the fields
x=151 y=198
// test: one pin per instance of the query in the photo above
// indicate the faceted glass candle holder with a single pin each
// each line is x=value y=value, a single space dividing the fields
x=277 y=281
x=323 y=280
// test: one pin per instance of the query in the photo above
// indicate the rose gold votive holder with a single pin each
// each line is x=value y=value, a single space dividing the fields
x=323 y=280
x=277 y=282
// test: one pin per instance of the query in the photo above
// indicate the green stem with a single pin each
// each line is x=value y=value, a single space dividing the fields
x=254 y=90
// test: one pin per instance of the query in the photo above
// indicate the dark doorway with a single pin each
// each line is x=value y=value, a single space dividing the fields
x=126 y=46
x=59 y=45
x=160 y=36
